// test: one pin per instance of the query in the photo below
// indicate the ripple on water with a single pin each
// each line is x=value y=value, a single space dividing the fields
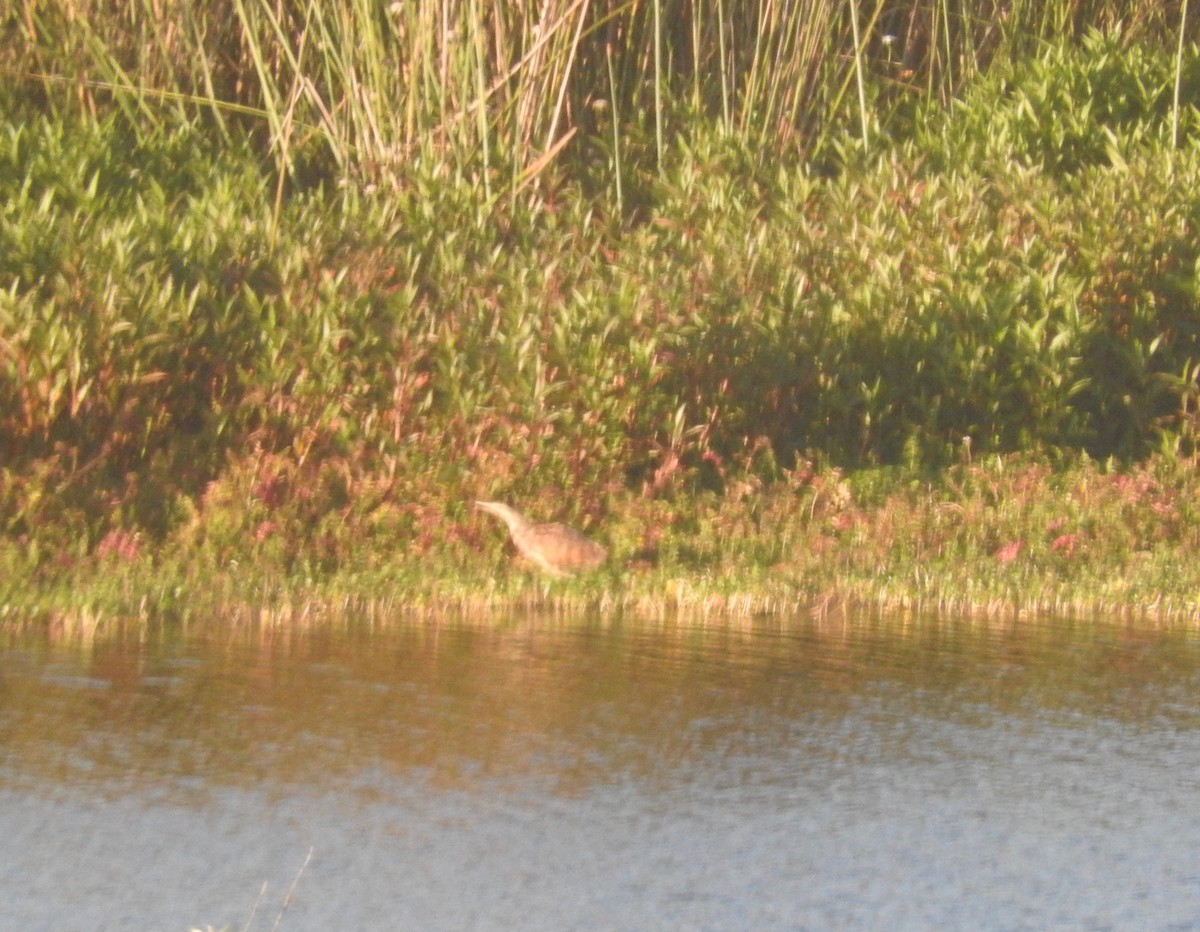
x=589 y=775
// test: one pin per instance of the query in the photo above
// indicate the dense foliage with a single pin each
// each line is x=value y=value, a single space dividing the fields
x=226 y=335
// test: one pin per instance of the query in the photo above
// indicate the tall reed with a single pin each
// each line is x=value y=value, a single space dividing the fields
x=364 y=90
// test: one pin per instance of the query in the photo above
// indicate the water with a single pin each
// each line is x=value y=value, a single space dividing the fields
x=525 y=774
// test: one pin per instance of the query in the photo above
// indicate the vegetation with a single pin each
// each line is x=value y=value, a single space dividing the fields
x=890 y=302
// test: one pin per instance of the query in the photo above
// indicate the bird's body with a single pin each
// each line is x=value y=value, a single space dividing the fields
x=557 y=549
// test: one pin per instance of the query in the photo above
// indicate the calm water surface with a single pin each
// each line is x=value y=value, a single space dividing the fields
x=589 y=774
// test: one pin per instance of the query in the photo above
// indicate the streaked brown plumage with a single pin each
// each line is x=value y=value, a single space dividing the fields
x=557 y=549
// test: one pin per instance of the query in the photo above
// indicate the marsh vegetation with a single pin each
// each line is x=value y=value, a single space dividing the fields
x=892 y=302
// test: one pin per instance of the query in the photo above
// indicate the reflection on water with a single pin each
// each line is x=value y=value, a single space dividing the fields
x=526 y=773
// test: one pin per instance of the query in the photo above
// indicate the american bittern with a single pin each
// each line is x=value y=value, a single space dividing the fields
x=557 y=549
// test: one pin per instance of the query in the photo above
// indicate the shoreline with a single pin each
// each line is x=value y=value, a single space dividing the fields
x=1014 y=541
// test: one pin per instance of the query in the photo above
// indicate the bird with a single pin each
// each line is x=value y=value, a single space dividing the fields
x=558 y=550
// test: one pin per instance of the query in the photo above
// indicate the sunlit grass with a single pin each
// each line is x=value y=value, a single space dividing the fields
x=1009 y=538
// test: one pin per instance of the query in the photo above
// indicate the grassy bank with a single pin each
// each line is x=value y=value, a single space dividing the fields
x=1000 y=538
x=945 y=356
